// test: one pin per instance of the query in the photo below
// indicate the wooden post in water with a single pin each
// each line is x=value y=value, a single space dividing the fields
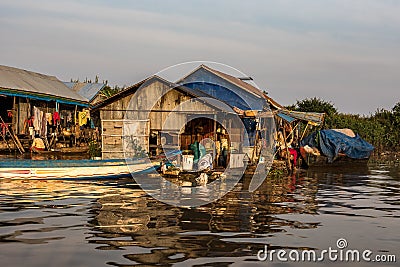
x=215 y=140
x=14 y=138
x=75 y=137
x=14 y=121
x=287 y=149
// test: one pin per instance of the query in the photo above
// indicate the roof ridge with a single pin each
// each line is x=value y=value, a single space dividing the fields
x=232 y=79
x=240 y=83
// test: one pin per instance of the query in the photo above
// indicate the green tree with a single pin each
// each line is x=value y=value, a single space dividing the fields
x=316 y=105
x=108 y=91
x=396 y=115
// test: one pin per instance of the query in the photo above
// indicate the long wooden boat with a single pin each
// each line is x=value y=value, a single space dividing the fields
x=63 y=150
x=341 y=160
x=72 y=169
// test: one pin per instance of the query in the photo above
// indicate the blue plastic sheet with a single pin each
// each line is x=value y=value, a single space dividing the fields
x=240 y=99
x=331 y=143
x=287 y=118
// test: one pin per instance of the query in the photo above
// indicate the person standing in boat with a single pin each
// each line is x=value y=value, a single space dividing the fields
x=37 y=144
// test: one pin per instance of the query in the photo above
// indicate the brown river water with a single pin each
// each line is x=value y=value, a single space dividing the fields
x=114 y=223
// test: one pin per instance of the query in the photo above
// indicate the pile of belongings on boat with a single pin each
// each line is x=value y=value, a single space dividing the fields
x=202 y=159
x=334 y=142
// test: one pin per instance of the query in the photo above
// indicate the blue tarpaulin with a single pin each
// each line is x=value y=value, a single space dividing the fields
x=331 y=143
x=225 y=87
x=239 y=99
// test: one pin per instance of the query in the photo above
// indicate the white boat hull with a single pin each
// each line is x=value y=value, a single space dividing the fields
x=74 y=172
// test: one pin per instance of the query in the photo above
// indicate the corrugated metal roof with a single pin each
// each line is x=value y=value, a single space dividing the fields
x=312 y=117
x=286 y=117
x=25 y=83
x=87 y=90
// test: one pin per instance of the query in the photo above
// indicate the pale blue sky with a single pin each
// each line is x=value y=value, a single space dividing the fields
x=346 y=52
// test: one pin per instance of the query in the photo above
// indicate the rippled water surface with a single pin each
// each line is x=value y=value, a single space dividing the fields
x=114 y=223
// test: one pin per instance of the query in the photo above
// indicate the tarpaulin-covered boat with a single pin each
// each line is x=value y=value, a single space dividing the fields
x=334 y=146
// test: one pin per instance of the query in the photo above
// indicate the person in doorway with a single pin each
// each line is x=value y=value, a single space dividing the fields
x=37 y=144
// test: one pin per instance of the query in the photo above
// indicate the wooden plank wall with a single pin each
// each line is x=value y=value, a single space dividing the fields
x=116 y=135
x=156 y=92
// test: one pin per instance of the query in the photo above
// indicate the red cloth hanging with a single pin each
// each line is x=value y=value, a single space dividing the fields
x=4 y=127
x=56 y=117
x=294 y=153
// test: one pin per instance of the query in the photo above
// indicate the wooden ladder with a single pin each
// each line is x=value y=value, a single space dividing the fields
x=15 y=139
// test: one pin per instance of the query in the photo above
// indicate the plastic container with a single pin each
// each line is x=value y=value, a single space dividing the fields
x=187 y=162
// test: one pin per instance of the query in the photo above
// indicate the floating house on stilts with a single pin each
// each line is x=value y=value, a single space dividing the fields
x=205 y=115
x=35 y=104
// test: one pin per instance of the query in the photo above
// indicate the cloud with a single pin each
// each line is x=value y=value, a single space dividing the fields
x=292 y=48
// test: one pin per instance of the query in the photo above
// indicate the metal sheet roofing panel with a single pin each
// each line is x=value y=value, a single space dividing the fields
x=286 y=117
x=28 y=83
x=312 y=117
x=87 y=90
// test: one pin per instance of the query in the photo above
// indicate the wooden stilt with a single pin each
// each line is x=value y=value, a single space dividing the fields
x=287 y=150
x=254 y=154
x=13 y=137
x=215 y=140
x=5 y=139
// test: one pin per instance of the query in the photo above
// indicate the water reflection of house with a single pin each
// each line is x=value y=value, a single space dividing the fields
x=151 y=225
x=151 y=232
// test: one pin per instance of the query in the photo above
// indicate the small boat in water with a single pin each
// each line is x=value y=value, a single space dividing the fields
x=81 y=168
x=335 y=147
x=63 y=150
x=72 y=169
